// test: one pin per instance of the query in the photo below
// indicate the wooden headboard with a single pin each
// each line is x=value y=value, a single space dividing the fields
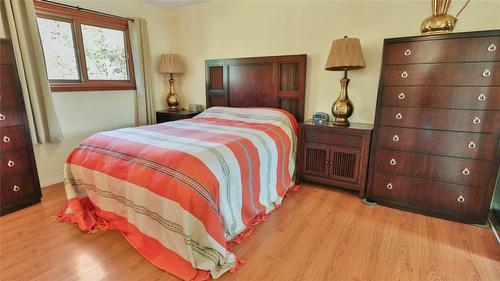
x=277 y=81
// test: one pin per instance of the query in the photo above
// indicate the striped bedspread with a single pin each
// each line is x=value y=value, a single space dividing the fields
x=179 y=191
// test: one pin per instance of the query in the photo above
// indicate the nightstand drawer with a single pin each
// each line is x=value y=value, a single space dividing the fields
x=333 y=138
x=167 y=116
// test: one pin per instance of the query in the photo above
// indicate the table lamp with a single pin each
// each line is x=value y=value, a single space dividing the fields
x=345 y=54
x=171 y=64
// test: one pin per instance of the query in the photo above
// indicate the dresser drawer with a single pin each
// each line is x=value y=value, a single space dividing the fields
x=8 y=92
x=484 y=98
x=9 y=96
x=433 y=167
x=443 y=119
x=447 y=143
x=333 y=138
x=14 y=162
x=5 y=54
x=12 y=138
x=16 y=188
x=450 y=50
x=7 y=77
x=428 y=195
x=443 y=74
x=11 y=116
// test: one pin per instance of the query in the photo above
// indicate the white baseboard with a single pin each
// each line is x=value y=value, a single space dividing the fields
x=51 y=180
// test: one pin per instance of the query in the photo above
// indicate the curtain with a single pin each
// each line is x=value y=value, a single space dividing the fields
x=141 y=55
x=42 y=118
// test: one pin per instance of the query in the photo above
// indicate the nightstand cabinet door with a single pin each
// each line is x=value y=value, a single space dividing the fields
x=336 y=156
x=344 y=164
x=316 y=159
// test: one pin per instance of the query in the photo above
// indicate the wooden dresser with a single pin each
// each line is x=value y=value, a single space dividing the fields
x=19 y=185
x=334 y=155
x=435 y=148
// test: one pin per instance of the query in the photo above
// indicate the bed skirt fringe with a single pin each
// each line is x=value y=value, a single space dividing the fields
x=83 y=213
x=260 y=218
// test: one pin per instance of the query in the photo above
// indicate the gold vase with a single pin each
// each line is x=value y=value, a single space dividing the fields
x=172 y=97
x=440 y=21
x=342 y=108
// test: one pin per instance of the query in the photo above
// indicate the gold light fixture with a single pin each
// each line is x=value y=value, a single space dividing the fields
x=345 y=54
x=171 y=64
x=440 y=21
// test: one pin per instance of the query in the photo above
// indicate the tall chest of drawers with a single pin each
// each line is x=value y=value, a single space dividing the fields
x=435 y=147
x=19 y=184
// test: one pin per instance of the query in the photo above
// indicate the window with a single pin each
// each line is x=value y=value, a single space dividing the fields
x=84 y=51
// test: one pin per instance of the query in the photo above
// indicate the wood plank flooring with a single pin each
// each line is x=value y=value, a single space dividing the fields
x=319 y=233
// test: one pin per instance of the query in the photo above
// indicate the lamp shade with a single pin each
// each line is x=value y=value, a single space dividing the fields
x=170 y=63
x=345 y=53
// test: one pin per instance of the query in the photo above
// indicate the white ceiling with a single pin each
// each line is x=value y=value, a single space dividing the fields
x=173 y=3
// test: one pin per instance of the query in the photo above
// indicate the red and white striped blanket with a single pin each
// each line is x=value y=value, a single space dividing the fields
x=179 y=191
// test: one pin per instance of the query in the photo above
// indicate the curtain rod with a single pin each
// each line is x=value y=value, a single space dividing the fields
x=86 y=10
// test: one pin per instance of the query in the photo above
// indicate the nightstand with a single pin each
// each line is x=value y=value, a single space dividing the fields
x=334 y=155
x=165 y=116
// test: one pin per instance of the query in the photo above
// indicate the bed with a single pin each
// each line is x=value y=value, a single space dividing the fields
x=180 y=191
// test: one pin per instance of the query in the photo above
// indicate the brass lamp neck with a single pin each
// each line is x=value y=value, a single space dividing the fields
x=345 y=73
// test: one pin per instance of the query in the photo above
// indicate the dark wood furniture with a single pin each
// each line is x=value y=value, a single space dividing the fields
x=19 y=184
x=166 y=116
x=277 y=82
x=335 y=155
x=436 y=147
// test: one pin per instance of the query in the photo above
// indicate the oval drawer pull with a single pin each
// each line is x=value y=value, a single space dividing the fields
x=466 y=172
x=6 y=139
x=476 y=120
x=492 y=47
x=389 y=186
x=16 y=188
x=399 y=116
x=395 y=138
x=10 y=163
x=2 y=117
x=405 y=74
x=486 y=73
x=471 y=145
x=408 y=52
x=460 y=199
x=392 y=162
x=481 y=97
x=402 y=96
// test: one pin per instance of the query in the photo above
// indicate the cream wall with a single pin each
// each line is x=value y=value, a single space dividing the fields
x=224 y=29
x=81 y=114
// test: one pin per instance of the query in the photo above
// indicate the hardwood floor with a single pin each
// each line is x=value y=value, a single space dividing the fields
x=318 y=234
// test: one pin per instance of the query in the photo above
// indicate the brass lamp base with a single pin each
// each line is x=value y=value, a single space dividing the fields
x=342 y=108
x=173 y=99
